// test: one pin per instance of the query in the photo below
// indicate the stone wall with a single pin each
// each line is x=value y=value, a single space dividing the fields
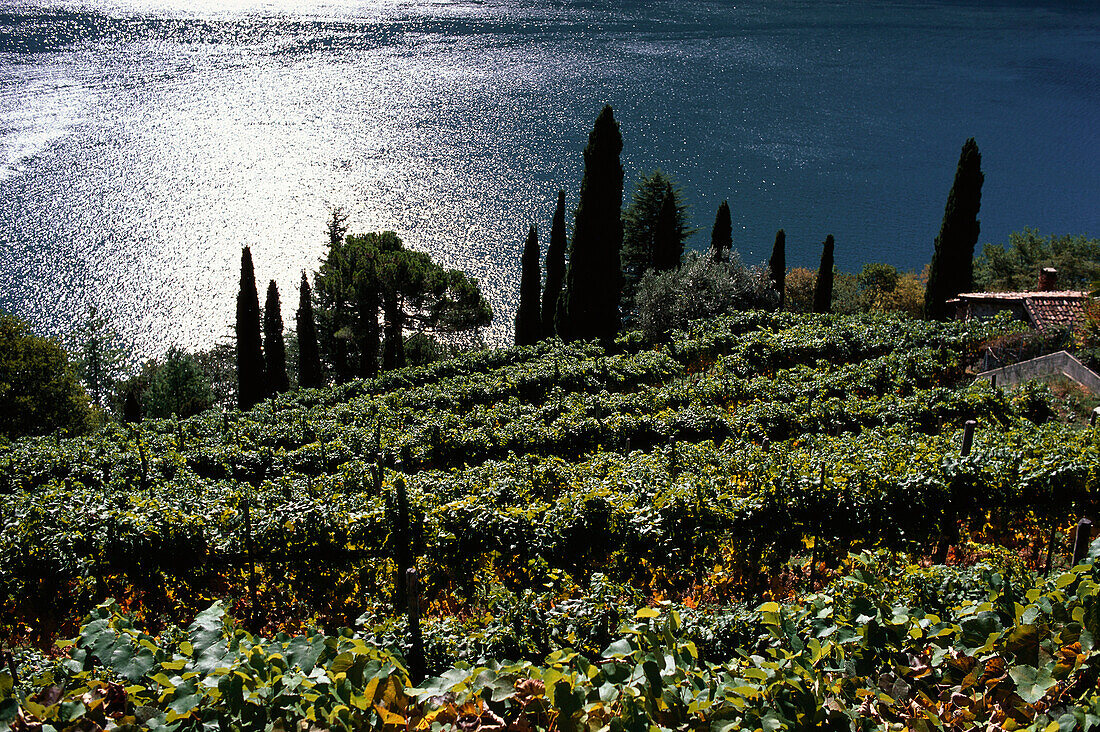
x=1061 y=363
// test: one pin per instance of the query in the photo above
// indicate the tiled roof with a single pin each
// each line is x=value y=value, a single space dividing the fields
x=1070 y=294
x=1047 y=309
x=1055 y=312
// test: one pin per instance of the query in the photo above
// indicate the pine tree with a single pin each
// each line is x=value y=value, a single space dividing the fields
x=309 y=355
x=528 y=326
x=337 y=226
x=952 y=268
x=823 y=289
x=777 y=265
x=274 y=345
x=99 y=360
x=641 y=220
x=721 y=235
x=589 y=305
x=250 y=356
x=668 y=247
x=370 y=285
x=555 y=268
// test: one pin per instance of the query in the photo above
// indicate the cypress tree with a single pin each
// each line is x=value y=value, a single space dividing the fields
x=274 y=346
x=250 y=356
x=589 y=305
x=952 y=268
x=309 y=355
x=528 y=325
x=777 y=265
x=131 y=407
x=555 y=268
x=668 y=247
x=721 y=235
x=823 y=288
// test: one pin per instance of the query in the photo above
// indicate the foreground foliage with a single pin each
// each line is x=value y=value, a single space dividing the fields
x=1021 y=655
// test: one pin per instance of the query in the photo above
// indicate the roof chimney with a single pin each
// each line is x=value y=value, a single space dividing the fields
x=1048 y=279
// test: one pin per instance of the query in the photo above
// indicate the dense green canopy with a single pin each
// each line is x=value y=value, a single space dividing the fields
x=39 y=391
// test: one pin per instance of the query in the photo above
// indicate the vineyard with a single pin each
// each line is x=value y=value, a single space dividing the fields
x=771 y=521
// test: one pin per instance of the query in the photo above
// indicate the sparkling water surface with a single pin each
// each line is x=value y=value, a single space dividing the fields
x=143 y=143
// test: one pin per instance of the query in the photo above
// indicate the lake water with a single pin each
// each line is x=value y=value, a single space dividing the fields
x=142 y=143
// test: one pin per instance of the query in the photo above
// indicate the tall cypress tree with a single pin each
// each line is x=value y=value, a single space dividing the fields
x=952 y=268
x=589 y=305
x=777 y=265
x=823 y=288
x=668 y=247
x=250 y=355
x=555 y=268
x=528 y=325
x=721 y=235
x=274 y=345
x=309 y=355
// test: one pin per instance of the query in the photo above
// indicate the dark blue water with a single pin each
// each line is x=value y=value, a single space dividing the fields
x=142 y=143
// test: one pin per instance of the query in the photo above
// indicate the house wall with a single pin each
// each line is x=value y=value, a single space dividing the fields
x=987 y=309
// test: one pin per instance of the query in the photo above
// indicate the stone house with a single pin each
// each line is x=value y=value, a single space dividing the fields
x=1046 y=309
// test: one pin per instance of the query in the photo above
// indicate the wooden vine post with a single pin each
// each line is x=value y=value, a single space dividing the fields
x=435 y=438
x=401 y=543
x=416 y=652
x=673 y=468
x=816 y=535
x=950 y=518
x=144 y=466
x=1081 y=539
x=968 y=436
x=249 y=557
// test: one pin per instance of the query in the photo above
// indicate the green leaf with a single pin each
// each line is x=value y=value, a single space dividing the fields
x=1023 y=641
x=184 y=705
x=129 y=664
x=304 y=652
x=1031 y=683
x=207 y=628
x=9 y=709
x=619 y=649
x=68 y=711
